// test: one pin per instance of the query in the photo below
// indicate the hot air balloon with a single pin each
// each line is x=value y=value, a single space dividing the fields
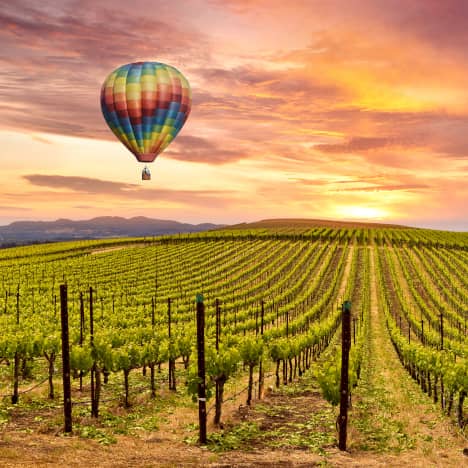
x=145 y=105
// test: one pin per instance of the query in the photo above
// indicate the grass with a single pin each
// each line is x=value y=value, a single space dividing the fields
x=91 y=432
x=376 y=419
x=375 y=415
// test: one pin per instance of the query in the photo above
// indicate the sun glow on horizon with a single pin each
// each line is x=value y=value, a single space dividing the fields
x=361 y=212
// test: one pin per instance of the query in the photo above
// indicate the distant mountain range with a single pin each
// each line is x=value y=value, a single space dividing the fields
x=25 y=232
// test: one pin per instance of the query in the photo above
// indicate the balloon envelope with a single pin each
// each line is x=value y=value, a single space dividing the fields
x=145 y=105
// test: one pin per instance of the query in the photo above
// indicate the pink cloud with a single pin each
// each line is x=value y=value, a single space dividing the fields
x=53 y=64
x=196 y=149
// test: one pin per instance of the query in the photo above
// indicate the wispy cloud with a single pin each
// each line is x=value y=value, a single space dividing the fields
x=79 y=184
x=356 y=144
x=14 y=208
x=385 y=188
x=117 y=190
x=202 y=150
x=83 y=207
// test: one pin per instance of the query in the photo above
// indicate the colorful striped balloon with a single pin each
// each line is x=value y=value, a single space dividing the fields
x=145 y=105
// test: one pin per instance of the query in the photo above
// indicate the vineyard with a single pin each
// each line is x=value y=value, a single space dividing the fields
x=273 y=300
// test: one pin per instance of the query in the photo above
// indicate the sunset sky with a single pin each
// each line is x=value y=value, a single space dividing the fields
x=352 y=109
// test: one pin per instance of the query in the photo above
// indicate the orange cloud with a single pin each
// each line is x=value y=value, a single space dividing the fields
x=91 y=186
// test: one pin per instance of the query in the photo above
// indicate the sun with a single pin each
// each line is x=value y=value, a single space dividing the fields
x=361 y=212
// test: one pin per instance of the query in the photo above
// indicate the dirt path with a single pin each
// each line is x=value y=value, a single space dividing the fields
x=391 y=414
x=112 y=249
